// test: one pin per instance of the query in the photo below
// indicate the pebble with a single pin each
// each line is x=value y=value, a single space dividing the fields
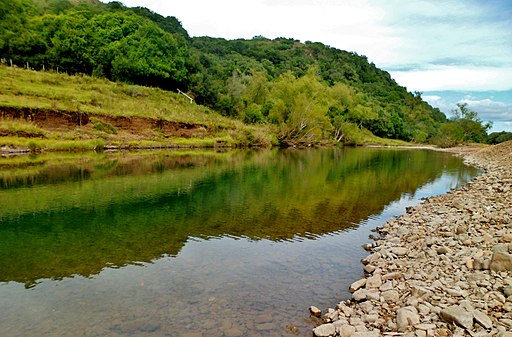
x=392 y=296
x=442 y=269
x=501 y=261
x=482 y=319
x=374 y=281
x=357 y=285
x=399 y=251
x=407 y=317
x=458 y=315
x=324 y=330
x=315 y=311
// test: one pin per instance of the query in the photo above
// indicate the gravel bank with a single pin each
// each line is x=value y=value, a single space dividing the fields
x=442 y=269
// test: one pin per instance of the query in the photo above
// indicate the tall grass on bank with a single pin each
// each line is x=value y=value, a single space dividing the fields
x=100 y=97
x=20 y=127
x=56 y=91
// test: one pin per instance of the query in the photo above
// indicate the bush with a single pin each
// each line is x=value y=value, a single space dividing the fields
x=499 y=137
x=450 y=134
x=33 y=146
x=252 y=114
x=103 y=126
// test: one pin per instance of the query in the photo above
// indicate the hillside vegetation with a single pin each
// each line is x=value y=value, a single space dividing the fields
x=291 y=92
x=46 y=110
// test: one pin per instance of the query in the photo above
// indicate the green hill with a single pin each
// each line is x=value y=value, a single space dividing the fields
x=54 y=111
x=293 y=92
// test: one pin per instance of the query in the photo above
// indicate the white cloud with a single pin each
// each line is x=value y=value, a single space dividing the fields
x=460 y=32
x=455 y=78
x=432 y=98
x=489 y=109
x=439 y=102
x=490 y=106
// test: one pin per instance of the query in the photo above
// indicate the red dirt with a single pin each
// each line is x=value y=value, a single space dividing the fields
x=140 y=127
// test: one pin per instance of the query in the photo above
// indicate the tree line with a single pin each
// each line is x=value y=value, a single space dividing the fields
x=309 y=91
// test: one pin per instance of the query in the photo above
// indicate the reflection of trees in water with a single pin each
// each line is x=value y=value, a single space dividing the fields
x=55 y=170
x=134 y=209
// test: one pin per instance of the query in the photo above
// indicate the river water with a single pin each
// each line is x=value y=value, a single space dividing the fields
x=196 y=243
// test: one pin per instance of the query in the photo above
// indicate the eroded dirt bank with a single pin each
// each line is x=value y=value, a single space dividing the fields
x=130 y=127
x=442 y=269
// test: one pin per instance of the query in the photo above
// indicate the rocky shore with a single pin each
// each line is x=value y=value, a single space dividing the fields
x=442 y=269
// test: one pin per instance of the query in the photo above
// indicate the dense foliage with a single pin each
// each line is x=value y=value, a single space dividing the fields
x=464 y=127
x=248 y=79
x=499 y=137
x=87 y=38
x=309 y=91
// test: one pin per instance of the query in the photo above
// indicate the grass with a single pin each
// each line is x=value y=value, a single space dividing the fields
x=52 y=144
x=103 y=126
x=20 y=127
x=99 y=144
x=56 y=91
x=22 y=88
x=357 y=136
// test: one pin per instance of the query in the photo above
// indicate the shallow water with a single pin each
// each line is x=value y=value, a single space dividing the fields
x=235 y=243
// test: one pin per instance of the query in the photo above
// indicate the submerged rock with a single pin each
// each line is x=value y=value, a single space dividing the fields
x=315 y=311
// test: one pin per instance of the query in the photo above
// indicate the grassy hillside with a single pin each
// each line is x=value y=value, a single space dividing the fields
x=46 y=110
x=296 y=93
x=307 y=93
x=41 y=110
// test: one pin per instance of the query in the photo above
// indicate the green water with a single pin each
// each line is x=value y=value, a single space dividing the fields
x=212 y=243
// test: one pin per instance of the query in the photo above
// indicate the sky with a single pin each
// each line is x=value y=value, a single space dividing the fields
x=453 y=51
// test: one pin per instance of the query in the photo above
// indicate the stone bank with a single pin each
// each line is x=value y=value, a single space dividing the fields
x=442 y=269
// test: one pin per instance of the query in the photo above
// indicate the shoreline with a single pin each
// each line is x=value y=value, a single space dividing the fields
x=442 y=269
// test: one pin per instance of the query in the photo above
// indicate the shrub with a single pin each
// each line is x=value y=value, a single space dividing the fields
x=103 y=126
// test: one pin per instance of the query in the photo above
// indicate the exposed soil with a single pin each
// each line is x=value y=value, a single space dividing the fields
x=69 y=121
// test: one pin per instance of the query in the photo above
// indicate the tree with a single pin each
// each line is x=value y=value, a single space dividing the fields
x=450 y=134
x=474 y=130
x=499 y=137
x=149 y=56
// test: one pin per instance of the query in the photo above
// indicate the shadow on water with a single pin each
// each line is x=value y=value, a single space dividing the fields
x=69 y=216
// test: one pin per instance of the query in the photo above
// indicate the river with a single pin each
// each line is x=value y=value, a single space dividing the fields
x=196 y=243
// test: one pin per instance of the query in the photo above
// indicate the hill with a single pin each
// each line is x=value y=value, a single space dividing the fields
x=47 y=110
x=305 y=93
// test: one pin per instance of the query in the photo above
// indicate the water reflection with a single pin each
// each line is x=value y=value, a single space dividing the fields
x=214 y=235
x=80 y=216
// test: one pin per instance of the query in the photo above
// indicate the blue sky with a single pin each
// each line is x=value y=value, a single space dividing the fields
x=450 y=50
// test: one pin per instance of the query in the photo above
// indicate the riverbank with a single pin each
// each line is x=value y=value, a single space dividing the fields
x=442 y=269
x=42 y=111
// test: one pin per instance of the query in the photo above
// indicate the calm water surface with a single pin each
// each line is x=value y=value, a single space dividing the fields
x=235 y=243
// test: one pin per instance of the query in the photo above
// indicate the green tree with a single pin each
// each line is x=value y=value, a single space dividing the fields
x=499 y=137
x=474 y=130
x=450 y=134
x=149 y=56
x=302 y=108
